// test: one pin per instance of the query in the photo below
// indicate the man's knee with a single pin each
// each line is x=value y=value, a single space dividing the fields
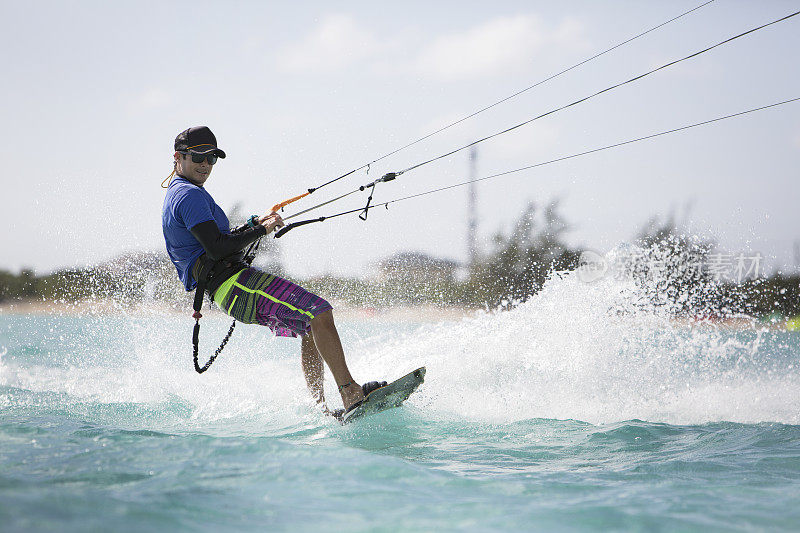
x=323 y=319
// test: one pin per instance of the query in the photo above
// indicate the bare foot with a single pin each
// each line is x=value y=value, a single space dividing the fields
x=351 y=394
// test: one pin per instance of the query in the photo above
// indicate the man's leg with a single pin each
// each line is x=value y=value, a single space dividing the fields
x=329 y=347
x=313 y=368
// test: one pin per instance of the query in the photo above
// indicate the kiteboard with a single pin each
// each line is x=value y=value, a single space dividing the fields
x=386 y=397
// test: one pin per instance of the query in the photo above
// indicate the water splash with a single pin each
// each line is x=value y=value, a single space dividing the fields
x=597 y=352
x=600 y=352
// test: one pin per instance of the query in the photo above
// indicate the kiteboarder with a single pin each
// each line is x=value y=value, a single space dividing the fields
x=204 y=249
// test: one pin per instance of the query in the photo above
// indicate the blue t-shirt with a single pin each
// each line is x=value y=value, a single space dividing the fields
x=185 y=206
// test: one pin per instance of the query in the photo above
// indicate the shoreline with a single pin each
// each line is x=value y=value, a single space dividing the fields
x=420 y=313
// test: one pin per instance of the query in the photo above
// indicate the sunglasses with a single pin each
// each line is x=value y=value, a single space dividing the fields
x=199 y=158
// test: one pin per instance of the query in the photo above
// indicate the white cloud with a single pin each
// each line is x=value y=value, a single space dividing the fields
x=496 y=46
x=335 y=43
x=499 y=45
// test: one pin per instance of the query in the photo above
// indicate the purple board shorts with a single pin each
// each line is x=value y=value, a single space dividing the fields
x=255 y=297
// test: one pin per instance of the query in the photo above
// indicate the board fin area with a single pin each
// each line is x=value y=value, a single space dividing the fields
x=386 y=397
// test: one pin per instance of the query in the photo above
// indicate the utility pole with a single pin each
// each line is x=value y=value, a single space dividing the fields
x=472 y=207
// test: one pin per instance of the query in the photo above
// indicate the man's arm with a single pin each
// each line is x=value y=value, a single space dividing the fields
x=219 y=245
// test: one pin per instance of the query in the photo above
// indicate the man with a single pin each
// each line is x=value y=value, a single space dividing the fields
x=201 y=246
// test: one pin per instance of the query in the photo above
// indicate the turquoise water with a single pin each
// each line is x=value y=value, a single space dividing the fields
x=557 y=416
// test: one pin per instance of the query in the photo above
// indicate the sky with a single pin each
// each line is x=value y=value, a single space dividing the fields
x=94 y=93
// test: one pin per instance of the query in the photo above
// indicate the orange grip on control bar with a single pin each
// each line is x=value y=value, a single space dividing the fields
x=278 y=207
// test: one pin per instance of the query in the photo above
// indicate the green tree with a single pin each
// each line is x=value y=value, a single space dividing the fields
x=521 y=262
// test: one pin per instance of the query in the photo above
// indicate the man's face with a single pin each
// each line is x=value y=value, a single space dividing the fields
x=197 y=173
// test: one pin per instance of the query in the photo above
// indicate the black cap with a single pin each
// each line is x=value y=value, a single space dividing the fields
x=198 y=139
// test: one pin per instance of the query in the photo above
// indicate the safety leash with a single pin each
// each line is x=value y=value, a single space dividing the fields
x=197 y=305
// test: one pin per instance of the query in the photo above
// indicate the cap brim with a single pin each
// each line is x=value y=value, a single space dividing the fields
x=207 y=149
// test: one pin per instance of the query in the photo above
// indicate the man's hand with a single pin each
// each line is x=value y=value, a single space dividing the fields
x=271 y=221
